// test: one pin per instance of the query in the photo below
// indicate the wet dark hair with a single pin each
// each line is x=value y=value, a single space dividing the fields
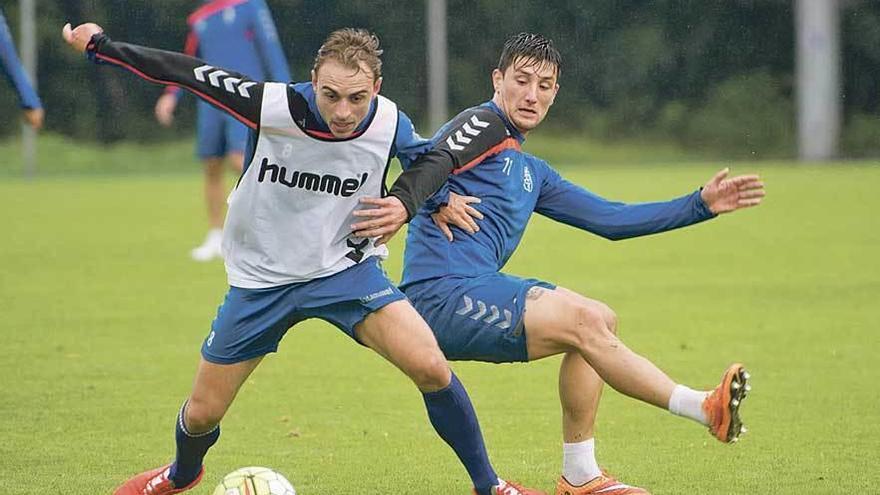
x=529 y=46
x=350 y=47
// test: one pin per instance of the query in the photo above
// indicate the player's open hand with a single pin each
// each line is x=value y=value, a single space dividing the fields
x=383 y=220
x=80 y=36
x=34 y=117
x=722 y=194
x=459 y=212
x=165 y=106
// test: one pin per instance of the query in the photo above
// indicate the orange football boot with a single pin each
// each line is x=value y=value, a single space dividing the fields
x=602 y=484
x=510 y=488
x=722 y=405
x=155 y=482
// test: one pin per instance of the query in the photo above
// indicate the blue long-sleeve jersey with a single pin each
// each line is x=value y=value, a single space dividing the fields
x=238 y=35
x=512 y=185
x=13 y=70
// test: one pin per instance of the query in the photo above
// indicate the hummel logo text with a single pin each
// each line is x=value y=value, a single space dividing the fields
x=327 y=183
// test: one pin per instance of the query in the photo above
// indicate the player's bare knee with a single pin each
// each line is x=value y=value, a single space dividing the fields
x=610 y=317
x=201 y=415
x=590 y=328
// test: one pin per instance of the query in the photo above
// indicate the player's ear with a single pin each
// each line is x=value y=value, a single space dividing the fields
x=314 y=80
x=377 y=86
x=555 y=92
x=497 y=78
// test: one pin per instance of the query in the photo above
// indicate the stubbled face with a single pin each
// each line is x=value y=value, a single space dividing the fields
x=343 y=95
x=525 y=92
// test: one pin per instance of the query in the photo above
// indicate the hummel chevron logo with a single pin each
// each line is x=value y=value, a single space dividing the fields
x=458 y=141
x=482 y=309
x=217 y=76
x=479 y=123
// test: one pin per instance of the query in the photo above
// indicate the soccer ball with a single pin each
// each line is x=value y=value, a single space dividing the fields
x=254 y=481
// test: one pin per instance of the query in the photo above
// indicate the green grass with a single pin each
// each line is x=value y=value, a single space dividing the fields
x=103 y=315
x=61 y=156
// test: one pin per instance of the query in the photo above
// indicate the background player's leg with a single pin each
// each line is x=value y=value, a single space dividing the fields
x=198 y=424
x=215 y=201
x=235 y=159
x=235 y=136
x=215 y=191
x=211 y=147
x=399 y=334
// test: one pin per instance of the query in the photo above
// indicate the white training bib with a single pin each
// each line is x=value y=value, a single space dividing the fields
x=290 y=216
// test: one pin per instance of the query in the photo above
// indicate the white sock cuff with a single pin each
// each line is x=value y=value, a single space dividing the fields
x=688 y=402
x=580 y=447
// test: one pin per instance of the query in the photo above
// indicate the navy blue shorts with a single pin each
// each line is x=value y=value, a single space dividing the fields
x=478 y=318
x=218 y=134
x=251 y=322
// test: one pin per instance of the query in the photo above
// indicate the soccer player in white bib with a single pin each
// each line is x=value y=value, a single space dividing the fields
x=293 y=245
x=454 y=278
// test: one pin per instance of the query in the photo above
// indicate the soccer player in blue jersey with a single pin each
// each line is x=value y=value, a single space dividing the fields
x=32 y=108
x=481 y=314
x=238 y=35
x=316 y=150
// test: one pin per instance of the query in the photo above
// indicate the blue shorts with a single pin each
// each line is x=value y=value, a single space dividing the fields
x=218 y=134
x=251 y=322
x=478 y=318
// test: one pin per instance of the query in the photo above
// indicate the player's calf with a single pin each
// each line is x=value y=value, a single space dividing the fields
x=431 y=372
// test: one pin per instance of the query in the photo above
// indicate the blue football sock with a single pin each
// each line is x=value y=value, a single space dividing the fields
x=453 y=417
x=191 y=449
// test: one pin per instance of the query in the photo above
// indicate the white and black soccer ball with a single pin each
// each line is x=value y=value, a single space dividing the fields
x=254 y=481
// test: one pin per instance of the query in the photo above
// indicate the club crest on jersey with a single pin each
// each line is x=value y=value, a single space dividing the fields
x=528 y=184
x=327 y=183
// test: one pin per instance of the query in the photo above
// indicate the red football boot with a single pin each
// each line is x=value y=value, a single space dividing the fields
x=722 y=405
x=155 y=482
x=603 y=484
x=509 y=488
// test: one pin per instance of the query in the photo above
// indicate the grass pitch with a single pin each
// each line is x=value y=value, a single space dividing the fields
x=103 y=314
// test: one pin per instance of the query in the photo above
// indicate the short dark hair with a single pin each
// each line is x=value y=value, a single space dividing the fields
x=350 y=47
x=530 y=46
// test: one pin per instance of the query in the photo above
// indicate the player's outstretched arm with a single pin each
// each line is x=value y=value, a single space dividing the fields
x=229 y=91
x=462 y=143
x=32 y=107
x=723 y=195
x=571 y=204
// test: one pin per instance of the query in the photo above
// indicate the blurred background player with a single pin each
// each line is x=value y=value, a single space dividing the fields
x=32 y=108
x=238 y=35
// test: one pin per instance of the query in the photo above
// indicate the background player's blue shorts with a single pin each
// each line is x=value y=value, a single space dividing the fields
x=479 y=318
x=218 y=134
x=251 y=322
